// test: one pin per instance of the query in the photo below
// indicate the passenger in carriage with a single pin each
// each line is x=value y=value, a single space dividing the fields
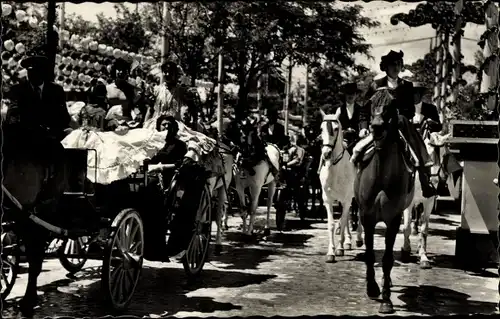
x=392 y=64
x=174 y=150
x=94 y=113
x=121 y=97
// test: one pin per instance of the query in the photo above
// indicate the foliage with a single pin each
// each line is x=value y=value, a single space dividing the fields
x=123 y=32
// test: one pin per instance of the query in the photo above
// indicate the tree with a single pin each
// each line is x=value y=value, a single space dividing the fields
x=262 y=35
x=123 y=32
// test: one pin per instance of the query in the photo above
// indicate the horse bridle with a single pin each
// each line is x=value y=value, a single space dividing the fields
x=332 y=146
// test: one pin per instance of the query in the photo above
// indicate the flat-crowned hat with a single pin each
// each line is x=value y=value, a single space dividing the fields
x=389 y=58
x=350 y=88
x=35 y=61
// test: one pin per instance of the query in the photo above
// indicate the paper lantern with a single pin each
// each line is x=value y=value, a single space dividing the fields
x=33 y=22
x=81 y=77
x=21 y=15
x=93 y=46
x=58 y=58
x=78 y=47
x=89 y=65
x=12 y=63
x=101 y=48
x=66 y=72
x=64 y=35
x=9 y=45
x=74 y=62
x=74 y=38
x=108 y=67
x=88 y=78
x=6 y=9
x=109 y=50
x=73 y=75
x=22 y=73
x=20 y=48
x=116 y=53
x=97 y=66
x=82 y=64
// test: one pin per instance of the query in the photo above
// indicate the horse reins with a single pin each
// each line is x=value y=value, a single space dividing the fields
x=341 y=155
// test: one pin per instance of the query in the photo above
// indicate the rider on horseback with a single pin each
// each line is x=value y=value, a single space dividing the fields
x=348 y=113
x=391 y=64
x=425 y=112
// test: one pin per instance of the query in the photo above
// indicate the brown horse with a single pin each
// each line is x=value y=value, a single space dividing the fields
x=32 y=162
x=383 y=188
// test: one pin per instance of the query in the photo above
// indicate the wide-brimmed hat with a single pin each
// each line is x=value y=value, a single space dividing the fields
x=350 y=88
x=35 y=61
x=389 y=58
x=419 y=87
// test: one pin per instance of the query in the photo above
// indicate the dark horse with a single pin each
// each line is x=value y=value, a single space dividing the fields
x=383 y=188
x=29 y=167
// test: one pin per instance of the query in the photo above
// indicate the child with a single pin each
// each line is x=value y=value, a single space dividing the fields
x=93 y=114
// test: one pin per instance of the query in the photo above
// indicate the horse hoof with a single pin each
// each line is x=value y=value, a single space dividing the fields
x=359 y=243
x=330 y=259
x=372 y=290
x=425 y=264
x=339 y=252
x=386 y=307
x=405 y=256
x=348 y=246
x=218 y=250
x=267 y=232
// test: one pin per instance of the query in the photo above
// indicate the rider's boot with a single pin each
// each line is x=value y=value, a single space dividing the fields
x=428 y=190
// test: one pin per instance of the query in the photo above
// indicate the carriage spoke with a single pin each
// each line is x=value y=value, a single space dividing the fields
x=131 y=239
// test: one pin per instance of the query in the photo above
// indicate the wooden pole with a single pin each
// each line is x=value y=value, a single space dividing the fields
x=51 y=37
x=489 y=81
x=288 y=93
x=165 y=49
x=436 y=99
x=305 y=112
x=62 y=14
x=457 y=53
x=220 y=97
x=444 y=75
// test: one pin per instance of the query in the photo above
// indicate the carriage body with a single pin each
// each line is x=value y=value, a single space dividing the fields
x=104 y=222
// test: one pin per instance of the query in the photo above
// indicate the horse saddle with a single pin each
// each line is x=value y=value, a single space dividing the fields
x=365 y=149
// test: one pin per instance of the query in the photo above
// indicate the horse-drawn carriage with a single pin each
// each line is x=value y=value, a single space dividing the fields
x=105 y=222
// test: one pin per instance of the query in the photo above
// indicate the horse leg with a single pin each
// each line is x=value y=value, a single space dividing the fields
x=416 y=223
x=348 y=225
x=387 y=264
x=372 y=288
x=359 y=235
x=422 y=249
x=221 y=211
x=34 y=240
x=271 y=189
x=343 y=225
x=243 y=209
x=406 y=249
x=255 y=190
x=330 y=255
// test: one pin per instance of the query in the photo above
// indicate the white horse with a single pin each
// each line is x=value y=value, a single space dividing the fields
x=263 y=177
x=337 y=174
x=434 y=142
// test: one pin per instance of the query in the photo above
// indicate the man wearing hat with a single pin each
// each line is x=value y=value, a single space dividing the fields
x=348 y=112
x=41 y=109
x=392 y=64
x=424 y=112
x=273 y=132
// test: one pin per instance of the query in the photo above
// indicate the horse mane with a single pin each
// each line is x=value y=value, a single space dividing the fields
x=382 y=97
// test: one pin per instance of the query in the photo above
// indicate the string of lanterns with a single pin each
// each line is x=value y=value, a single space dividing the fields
x=81 y=59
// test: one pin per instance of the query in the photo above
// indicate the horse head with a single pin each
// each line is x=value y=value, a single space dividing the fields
x=384 y=114
x=332 y=136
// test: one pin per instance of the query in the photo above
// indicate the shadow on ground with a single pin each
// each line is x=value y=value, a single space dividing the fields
x=243 y=258
x=161 y=291
x=431 y=300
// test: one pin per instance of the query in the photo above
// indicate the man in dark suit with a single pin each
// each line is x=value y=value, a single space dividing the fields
x=40 y=108
x=425 y=112
x=392 y=64
x=273 y=132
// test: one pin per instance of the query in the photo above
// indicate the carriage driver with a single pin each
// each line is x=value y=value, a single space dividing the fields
x=40 y=107
x=392 y=64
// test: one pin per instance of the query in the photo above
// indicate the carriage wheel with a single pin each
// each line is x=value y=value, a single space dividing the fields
x=123 y=258
x=80 y=247
x=197 y=251
x=10 y=263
